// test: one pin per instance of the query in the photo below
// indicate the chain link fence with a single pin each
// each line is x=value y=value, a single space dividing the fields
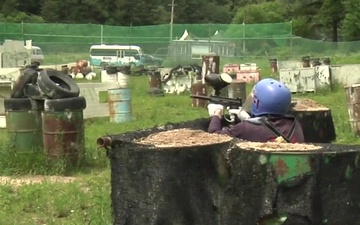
x=66 y=43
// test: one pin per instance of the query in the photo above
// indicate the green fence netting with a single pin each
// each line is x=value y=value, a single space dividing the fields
x=259 y=40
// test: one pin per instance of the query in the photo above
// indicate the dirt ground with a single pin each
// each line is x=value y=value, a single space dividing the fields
x=24 y=180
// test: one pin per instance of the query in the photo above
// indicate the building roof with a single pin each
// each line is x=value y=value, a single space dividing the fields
x=187 y=36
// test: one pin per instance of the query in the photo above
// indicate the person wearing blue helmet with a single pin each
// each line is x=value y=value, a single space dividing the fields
x=263 y=116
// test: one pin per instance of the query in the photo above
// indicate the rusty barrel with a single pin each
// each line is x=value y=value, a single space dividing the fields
x=326 y=61
x=315 y=62
x=63 y=132
x=65 y=69
x=305 y=61
x=237 y=89
x=23 y=123
x=199 y=89
x=120 y=108
x=210 y=64
x=154 y=79
x=273 y=65
x=353 y=103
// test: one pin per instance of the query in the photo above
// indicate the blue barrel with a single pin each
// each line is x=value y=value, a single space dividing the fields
x=119 y=100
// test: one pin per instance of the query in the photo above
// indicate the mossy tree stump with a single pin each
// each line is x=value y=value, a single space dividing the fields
x=315 y=119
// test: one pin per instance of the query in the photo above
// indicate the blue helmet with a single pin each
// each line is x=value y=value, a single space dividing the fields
x=270 y=97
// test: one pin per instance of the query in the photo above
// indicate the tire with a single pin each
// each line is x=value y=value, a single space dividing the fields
x=124 y=69
x=55 y=84
x=111 y=69
x=132 y=66
x=23 y=104
x=65 y=104
x=32 y=91
x=29 y=76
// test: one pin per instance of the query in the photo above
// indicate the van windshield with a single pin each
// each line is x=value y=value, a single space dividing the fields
x=39 y=52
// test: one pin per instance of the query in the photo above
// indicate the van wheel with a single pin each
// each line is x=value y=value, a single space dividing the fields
x=132 y=66
x=55 y=84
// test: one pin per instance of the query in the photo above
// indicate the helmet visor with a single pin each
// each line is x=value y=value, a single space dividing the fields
x=249 y=101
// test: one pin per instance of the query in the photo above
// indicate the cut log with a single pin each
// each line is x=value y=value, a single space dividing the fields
x=177 y=174
x=315 y=119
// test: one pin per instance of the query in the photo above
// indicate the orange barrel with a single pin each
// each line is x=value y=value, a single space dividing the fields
x=155 y=79
x=273 y=65
x=326 y=61
x=305 y=61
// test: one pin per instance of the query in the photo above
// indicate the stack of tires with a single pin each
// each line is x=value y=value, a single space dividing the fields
x=45 y=111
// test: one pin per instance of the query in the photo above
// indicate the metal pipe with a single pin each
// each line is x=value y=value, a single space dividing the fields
x=172 y=19
x=104 y=141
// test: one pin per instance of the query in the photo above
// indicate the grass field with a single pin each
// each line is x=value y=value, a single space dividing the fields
x=86 y=200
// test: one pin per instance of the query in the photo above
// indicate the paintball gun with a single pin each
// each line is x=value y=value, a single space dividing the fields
x=232 y=105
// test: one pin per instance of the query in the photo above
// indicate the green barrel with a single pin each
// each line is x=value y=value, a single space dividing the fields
x=63 y=129
x=23 y=123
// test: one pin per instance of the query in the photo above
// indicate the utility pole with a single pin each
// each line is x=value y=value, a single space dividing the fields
x=172 y=19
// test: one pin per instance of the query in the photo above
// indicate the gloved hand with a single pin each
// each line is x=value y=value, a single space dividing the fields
x=241 y=114
x=212 y=107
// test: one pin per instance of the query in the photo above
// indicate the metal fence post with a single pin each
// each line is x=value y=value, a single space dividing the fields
x=101 y=34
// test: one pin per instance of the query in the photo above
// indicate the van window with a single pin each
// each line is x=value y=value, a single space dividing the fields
x=130 y=52
x=36 y=51
x=39 y=52
x=103 y=52
x=114 y=52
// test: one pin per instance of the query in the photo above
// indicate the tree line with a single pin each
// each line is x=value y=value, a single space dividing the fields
x=330 y=20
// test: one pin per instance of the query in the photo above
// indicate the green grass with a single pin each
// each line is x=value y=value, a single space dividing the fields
x=63 y=58
x=87 y=200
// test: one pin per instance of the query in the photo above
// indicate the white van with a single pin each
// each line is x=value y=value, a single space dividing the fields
x=37 y=54
x=101 y=55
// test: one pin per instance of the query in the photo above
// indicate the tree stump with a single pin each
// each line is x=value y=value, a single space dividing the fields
x=168 y=184
x=179 y=175
x=315 y=119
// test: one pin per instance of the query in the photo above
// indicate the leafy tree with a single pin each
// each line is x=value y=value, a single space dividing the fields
x=351 y=23
x=331 y=14
x=267 y=12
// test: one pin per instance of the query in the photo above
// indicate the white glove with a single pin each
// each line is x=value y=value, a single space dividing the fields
x=212 y=107
x=241 y=114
